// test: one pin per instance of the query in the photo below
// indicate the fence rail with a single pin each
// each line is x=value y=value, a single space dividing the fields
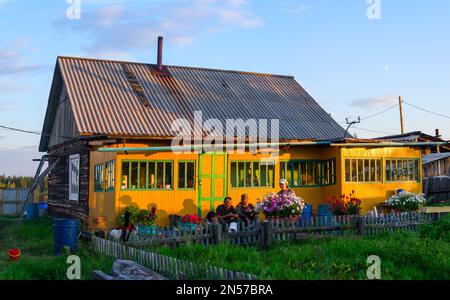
x=168 y=266
x=284 y=229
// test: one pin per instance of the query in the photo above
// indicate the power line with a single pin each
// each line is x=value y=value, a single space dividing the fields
x=32 y=132
x=428 y=111
x=375 y=131
x=379 y=113
x=370 y=130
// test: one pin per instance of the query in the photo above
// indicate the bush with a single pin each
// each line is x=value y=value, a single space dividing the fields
x=438 y=230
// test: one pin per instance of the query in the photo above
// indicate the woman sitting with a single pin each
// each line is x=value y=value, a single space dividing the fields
x=246 y=211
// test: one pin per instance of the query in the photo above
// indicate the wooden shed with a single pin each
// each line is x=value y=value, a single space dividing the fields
x=110 y=125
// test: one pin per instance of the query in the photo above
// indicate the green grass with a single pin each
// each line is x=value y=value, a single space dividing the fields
x=440 y=204
x=404 y=256
x=35 y=239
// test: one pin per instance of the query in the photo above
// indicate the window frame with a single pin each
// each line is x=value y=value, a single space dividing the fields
x=403 y=160
x=307 y=163
x=74 y=196
x=100 y=189
x=186 y=162
x=147 y=162
x=379 y=171
x=108 y=188
x=245 y=162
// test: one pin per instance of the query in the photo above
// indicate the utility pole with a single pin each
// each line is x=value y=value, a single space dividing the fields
x=400 y=104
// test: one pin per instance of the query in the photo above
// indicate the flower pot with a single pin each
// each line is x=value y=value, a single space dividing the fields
x=14 y=254
x=188 y=226
x=144 y=230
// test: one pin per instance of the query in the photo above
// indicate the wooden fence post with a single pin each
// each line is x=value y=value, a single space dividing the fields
x=266 y=234
x=359 y=224
x=435 y=217
x=217 y=234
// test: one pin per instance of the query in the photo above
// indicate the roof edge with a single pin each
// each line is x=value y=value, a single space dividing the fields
x=175 y=66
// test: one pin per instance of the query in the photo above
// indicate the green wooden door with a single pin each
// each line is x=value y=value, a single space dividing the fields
x=213 y=182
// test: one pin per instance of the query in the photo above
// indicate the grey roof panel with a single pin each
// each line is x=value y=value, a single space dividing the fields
x=104 y=102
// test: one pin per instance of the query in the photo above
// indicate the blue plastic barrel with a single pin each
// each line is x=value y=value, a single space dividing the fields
x=65 y=233
x=43 y=205
x=325 y=213
x=306 y=216
x=43 y=209
x=32 y=211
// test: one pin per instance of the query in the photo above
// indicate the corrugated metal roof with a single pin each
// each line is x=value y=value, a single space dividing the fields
x=104 y=102
x=429 y=158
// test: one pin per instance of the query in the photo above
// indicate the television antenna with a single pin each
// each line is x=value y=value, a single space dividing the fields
x=350 y=123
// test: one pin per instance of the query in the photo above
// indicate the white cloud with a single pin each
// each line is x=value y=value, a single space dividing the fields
x=375 y=102
x=120 y=27
x=13 y=61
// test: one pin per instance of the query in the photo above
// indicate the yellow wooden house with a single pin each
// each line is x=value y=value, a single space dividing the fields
x=110 y=124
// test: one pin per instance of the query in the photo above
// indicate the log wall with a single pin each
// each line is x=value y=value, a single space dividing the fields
x=58 y=182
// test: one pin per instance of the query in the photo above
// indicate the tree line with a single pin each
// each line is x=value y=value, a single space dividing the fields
x=20 y=182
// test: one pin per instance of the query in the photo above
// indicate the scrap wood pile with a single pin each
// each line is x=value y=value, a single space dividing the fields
x=128 y=270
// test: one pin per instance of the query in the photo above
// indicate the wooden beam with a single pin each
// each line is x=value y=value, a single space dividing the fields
x=103 y=142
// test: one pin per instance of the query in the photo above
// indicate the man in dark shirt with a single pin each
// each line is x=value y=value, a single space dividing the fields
x=226 y=212
x=246 y=211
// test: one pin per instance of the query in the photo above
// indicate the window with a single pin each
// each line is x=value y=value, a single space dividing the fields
x=304 y=173
x=186 y=175
x=110 y=176
x=363 y=170
x=252 y=174
x=402 y=170
x=98 y=178
x=104 y=177
x=74 y=177
x=147 y=175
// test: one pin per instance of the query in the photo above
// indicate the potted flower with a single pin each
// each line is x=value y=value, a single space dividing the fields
x=274 y=206
x=406 y=201
x=345 y=205
x=146 y=221
x=134 y=212
x=189 y=222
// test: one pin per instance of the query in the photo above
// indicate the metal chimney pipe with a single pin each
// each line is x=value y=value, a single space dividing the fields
x=437 y=133
x=160 y=53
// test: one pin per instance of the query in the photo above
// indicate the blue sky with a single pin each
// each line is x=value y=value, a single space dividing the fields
x=352 y=65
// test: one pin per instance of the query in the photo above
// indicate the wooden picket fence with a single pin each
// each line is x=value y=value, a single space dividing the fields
x=285 y=229
x=168 y=266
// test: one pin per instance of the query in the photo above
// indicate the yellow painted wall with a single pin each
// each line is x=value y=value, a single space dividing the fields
x=101 y=204
x=167 y=202
x=181 y=202
x=311 y=195
x=373 y=194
